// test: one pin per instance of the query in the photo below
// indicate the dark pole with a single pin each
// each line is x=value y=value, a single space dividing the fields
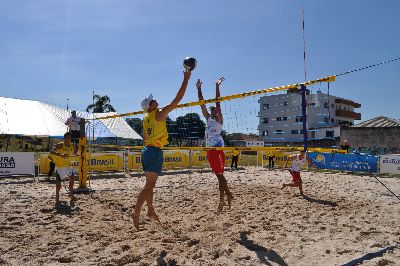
x=8 y=142
x=304 y=115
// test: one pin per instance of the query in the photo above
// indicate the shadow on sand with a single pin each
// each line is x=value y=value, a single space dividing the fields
x=266 y=256
x=320 y=201
x=161 y=260
x=66 y=209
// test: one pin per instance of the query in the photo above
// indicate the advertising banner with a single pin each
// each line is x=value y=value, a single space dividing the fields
x=105 y=162
x=345 y=162
x=96 y=162
x=389 y=164
x=325 y=150
x=172 y=159
x=135 y=160
x=199 y=159
x=17 y=163
x=280 y=158
x=176 y=159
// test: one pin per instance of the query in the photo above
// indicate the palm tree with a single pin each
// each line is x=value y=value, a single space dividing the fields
x=101 y=104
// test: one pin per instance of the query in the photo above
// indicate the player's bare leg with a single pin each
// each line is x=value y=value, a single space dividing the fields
x=144 y=195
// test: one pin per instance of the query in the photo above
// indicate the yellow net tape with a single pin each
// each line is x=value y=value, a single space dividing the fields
x=232 y=97
x=253 y=148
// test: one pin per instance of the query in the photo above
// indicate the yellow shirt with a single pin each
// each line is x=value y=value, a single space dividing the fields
x=155 y=132
x=271 y=154
x=60 y=161
x=236 y=152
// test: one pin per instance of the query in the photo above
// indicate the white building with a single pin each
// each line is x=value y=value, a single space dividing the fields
x=281 y=117
x=243 y=140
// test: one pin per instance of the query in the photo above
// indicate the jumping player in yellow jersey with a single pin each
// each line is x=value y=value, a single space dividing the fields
x=155 y=137
x=61 y=156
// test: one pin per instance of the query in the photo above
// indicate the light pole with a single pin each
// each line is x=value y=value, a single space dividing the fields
x=67 y=103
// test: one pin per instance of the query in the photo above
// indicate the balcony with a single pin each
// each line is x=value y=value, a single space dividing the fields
x=347 y=102
x=348 y=114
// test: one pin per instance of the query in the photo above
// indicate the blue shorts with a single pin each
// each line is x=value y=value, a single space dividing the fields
x=152 y=159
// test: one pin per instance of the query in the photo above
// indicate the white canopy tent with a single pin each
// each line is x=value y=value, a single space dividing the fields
x=34 y=118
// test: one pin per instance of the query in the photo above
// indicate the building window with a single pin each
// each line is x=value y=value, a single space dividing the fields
x=329 y=134
x=326 y=105
x=265 y=133
x=265 y=120
x=332 y=105
x=299 y=118
x=326 y=119
x=279 y=119
x=284 y=118
x=265 y=106
x=295 y=131
x=311 y=104
x=279 y=131
x=285 y=103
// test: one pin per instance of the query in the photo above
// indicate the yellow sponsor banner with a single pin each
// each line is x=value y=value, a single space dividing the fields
x=172 y=159
x=106 y=162
x=44 y=163
x=135 y=161
x=96 y=162
x=199 y=159
x=280 y=158
x=228 y=157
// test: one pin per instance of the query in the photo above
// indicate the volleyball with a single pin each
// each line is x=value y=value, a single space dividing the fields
x=190 y=63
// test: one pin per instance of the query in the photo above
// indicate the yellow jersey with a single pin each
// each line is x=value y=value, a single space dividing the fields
x=155 y=133
x=60 y=161
x=236 y=153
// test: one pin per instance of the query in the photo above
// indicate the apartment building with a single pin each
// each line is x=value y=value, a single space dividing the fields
x=281 y=117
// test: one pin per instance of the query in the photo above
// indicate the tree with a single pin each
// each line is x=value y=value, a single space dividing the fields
x=225 y=137
x=101 y=104
x=185 y=130
x=136 y=124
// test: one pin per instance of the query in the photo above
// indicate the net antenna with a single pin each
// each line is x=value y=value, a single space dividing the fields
x=304 y=47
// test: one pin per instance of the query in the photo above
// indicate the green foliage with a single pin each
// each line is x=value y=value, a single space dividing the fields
x=224 y=136
x=136 y=124
x=186 y=130
x=101 y=104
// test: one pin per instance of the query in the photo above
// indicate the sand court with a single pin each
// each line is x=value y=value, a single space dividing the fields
x=342 y=217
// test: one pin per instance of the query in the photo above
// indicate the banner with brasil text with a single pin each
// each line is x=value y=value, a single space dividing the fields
x=172 y=159
x=96 y=162
x=345 y=162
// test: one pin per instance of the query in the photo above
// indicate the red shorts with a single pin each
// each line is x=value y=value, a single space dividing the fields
x=296 y=176
x=216 y=159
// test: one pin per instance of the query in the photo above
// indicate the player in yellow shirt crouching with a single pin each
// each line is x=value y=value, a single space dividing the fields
x=61 y=157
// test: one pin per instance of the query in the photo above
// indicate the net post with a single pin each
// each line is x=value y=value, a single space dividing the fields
x=83 y=162
x=304 y=114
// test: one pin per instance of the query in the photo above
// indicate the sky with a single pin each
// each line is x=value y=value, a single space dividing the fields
x=52 y=51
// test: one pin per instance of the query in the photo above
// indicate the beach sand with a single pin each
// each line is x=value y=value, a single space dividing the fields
x=343 y=217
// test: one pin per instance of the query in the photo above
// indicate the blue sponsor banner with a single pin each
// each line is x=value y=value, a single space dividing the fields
x=346 y=162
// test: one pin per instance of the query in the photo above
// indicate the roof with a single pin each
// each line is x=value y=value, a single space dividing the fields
x=34 y=118
x=241 y=136
x=380 y=121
